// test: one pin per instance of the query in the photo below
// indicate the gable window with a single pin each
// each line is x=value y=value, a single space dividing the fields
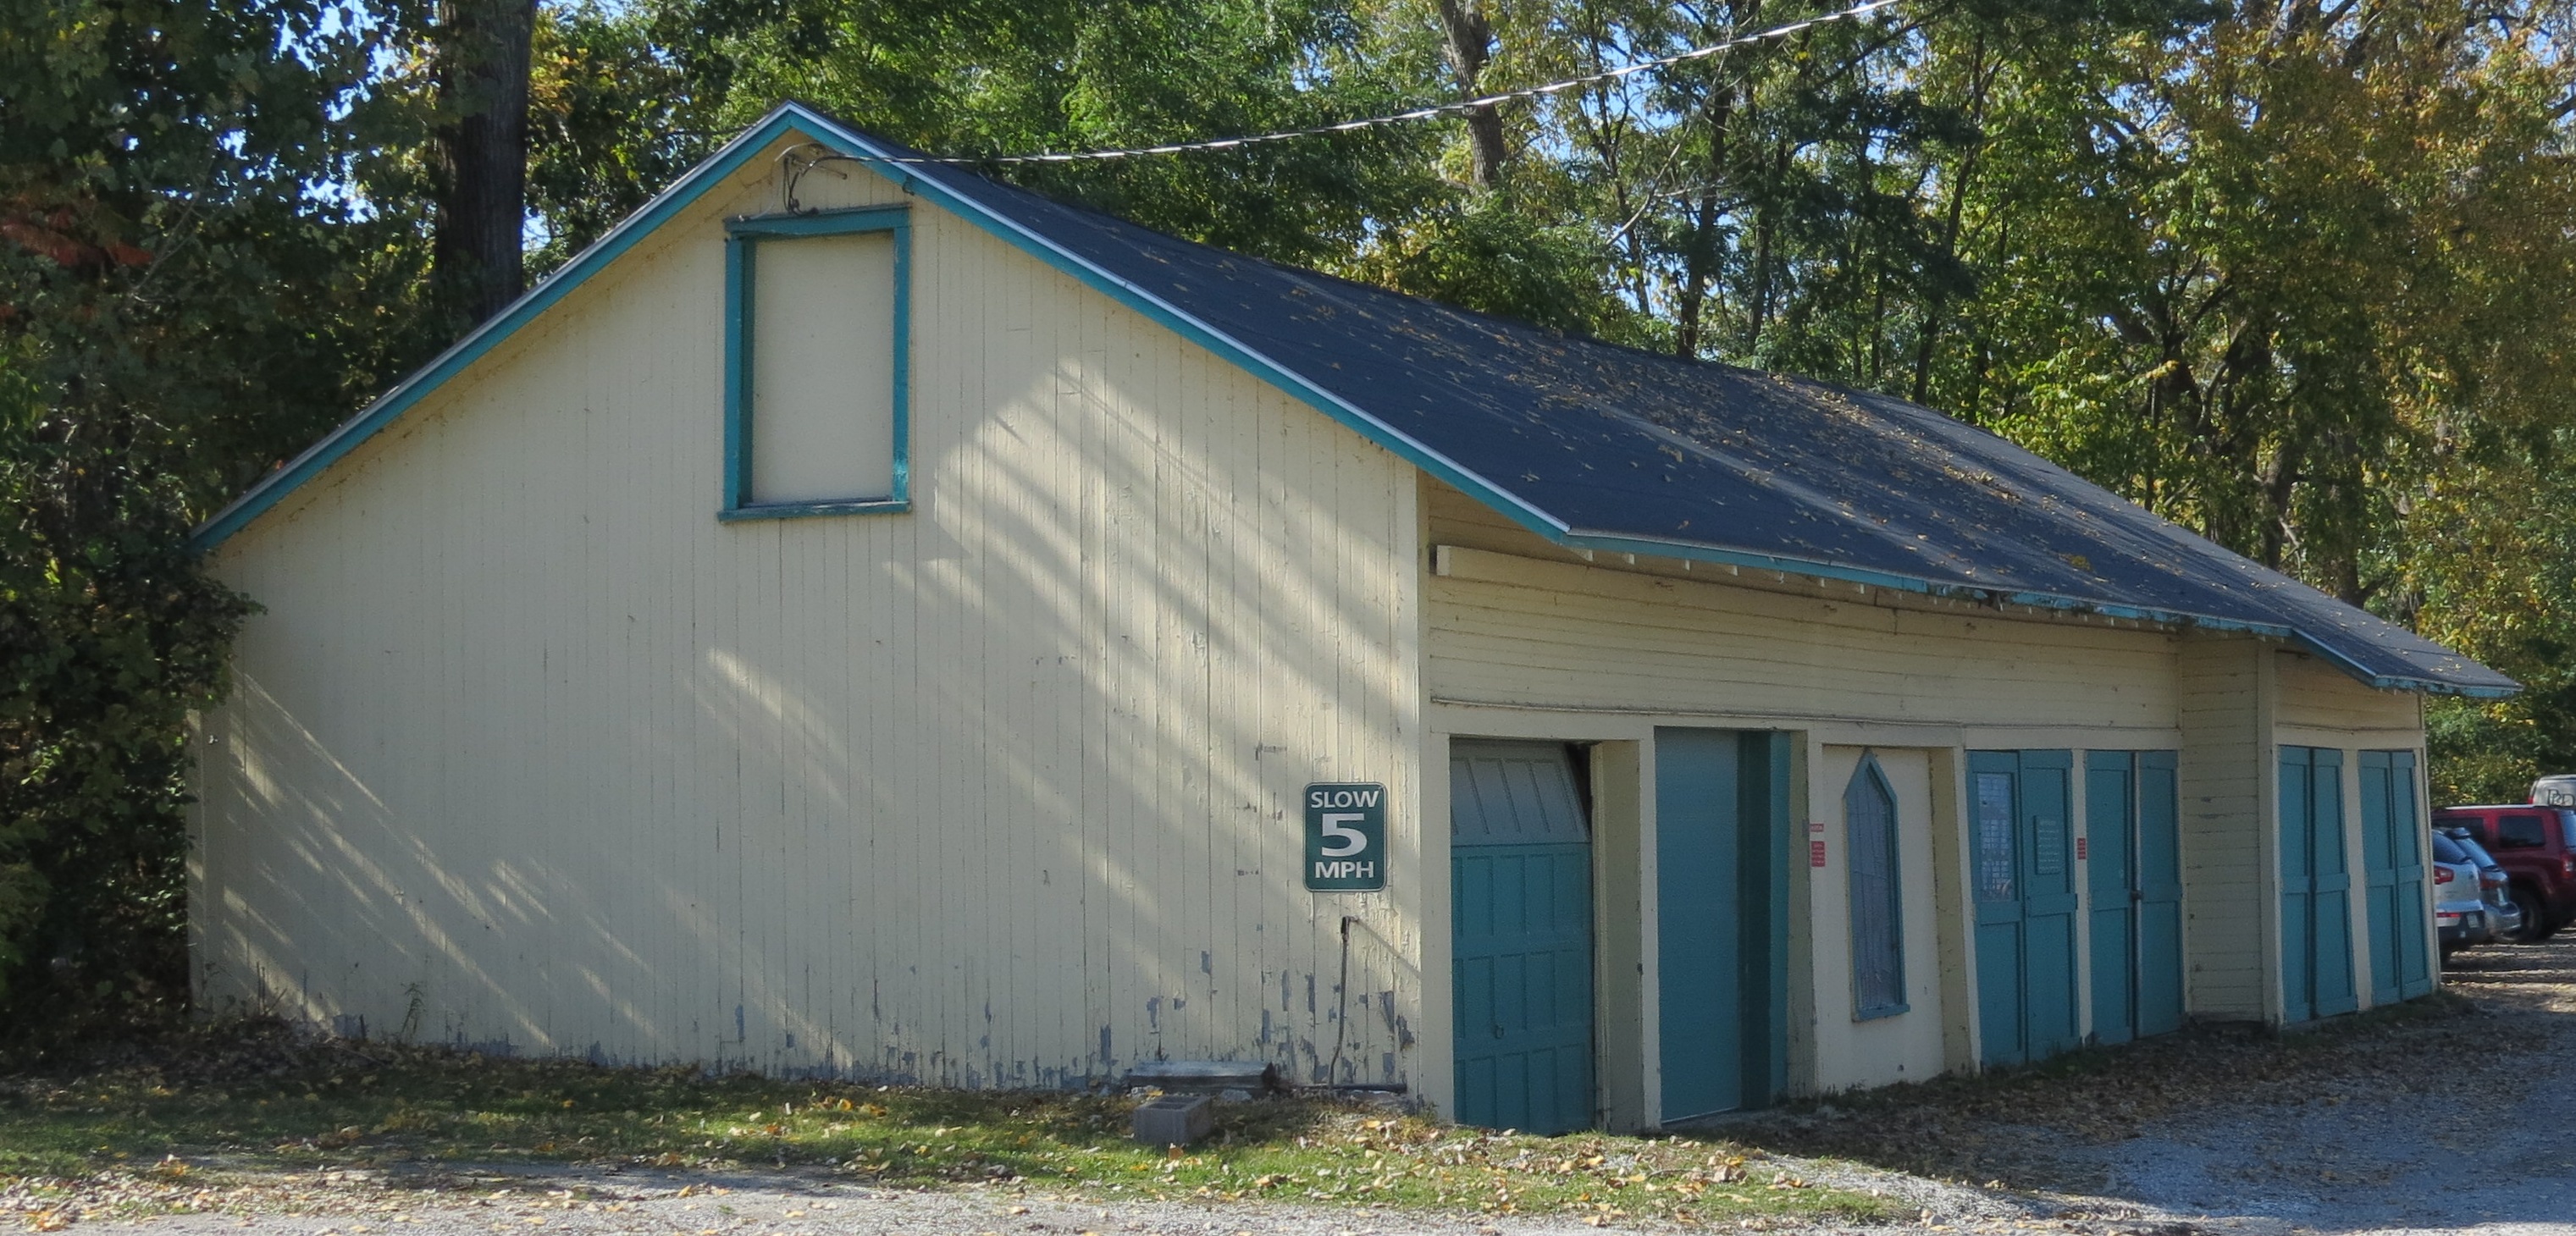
x=816 y=388
x=1877 y=902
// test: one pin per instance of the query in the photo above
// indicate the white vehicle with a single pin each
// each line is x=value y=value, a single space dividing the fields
x=2555 y=791
x=2504 y=914
x=2460 y=918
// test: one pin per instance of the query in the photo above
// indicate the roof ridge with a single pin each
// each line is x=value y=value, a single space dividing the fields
x=1566 y=434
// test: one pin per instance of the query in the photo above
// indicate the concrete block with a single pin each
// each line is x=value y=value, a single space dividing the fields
x=1175 y=1119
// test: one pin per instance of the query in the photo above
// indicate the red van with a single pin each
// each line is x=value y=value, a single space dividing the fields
x=2536 y=846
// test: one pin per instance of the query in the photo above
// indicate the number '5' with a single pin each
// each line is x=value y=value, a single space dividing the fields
x=1339 y=841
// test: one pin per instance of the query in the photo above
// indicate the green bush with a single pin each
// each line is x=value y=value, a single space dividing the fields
x=110 y=636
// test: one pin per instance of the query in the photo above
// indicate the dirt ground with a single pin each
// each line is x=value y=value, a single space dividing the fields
x=2450 y=1115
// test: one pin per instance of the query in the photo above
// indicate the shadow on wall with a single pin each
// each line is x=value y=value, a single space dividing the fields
x=1002 y=792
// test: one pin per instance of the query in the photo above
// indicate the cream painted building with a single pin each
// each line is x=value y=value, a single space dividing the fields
x=860 y=618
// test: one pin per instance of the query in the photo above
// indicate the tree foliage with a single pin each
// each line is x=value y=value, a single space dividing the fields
x=2291 y=272
x=110 y=637
x=2287 y=271
x=188 y=300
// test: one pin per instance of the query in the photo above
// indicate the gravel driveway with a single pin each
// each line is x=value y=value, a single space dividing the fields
x=588 y=1202
x=2451 y=1115
x=2476 y=1135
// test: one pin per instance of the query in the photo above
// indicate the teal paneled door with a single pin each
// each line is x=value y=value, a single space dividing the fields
x=2111 y=832
x=2158 y=863
x=1520 y=867
x=2392 y=847
x=1721 y=896
x=2316 y=887
x=2025 y=904
x=2134 y=878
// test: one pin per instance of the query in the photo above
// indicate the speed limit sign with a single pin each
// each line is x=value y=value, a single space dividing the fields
x=1345 y=837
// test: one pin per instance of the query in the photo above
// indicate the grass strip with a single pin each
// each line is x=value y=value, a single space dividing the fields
x=254 y=1098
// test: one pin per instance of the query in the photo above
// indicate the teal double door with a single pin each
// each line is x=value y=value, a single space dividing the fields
x=1520 y=870
x=2022 y=848
x=2392 y=847
x=2133 y=876
x=2316 y=887
x=1722 y=919
x=1522 y=927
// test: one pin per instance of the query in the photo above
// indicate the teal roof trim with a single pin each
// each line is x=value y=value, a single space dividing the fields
x=317 y=458
x=794 y=117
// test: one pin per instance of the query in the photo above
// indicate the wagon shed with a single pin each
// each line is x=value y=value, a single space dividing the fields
x=860 y=618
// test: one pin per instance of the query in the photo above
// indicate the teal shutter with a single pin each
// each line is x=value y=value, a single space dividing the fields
x=2332 y=867
x=2049 y=902
x=1996 y=863
x=2414 y=956
x=2159 y=895
x=2110 y=826
x=2298 y=888
x=2025 y=904
x=2316 y=887
x=2392 y=842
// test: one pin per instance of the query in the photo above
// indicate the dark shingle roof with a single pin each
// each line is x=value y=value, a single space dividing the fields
x=1609 y=447
x=1590 y=445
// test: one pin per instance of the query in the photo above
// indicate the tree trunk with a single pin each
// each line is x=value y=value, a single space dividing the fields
x=482 y=75
x=1469 y=40
x=1928 y=338
x=1699 y=261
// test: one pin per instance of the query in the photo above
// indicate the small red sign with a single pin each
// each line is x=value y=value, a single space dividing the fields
x=1815 y=854
x=1815 y=826
x=2079 y=849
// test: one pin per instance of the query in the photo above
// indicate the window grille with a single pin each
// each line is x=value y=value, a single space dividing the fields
x=1877 y=898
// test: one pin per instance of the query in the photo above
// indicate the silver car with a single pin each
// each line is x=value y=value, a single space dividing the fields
x=2494 y=887
x=2460 y=917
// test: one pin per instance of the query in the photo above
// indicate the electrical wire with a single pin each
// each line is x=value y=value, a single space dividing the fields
x=1772 y=34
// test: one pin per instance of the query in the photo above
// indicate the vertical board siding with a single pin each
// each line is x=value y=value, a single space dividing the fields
x=528 y=750
x=2225 y=824
x=2315 y=695
x=1572 y=636
x=1850 y=1050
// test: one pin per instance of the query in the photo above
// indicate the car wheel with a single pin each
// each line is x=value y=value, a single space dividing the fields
x=2536 y=926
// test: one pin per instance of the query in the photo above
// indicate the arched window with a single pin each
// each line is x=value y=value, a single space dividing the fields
x=1877 y=898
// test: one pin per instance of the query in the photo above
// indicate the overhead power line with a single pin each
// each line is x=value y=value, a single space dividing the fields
x=1459 y=108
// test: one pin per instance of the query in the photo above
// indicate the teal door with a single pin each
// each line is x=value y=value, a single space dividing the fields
x=2026 y=902
x=2316 y=887
x=1520 y=871
x=2134 y=876
x=2111 y=832
x=2158 y=895
x=2392 y=847
x=1721 y=895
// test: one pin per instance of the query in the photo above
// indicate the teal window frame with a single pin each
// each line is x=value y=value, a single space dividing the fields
x=1870 y=778
x=743 y=237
